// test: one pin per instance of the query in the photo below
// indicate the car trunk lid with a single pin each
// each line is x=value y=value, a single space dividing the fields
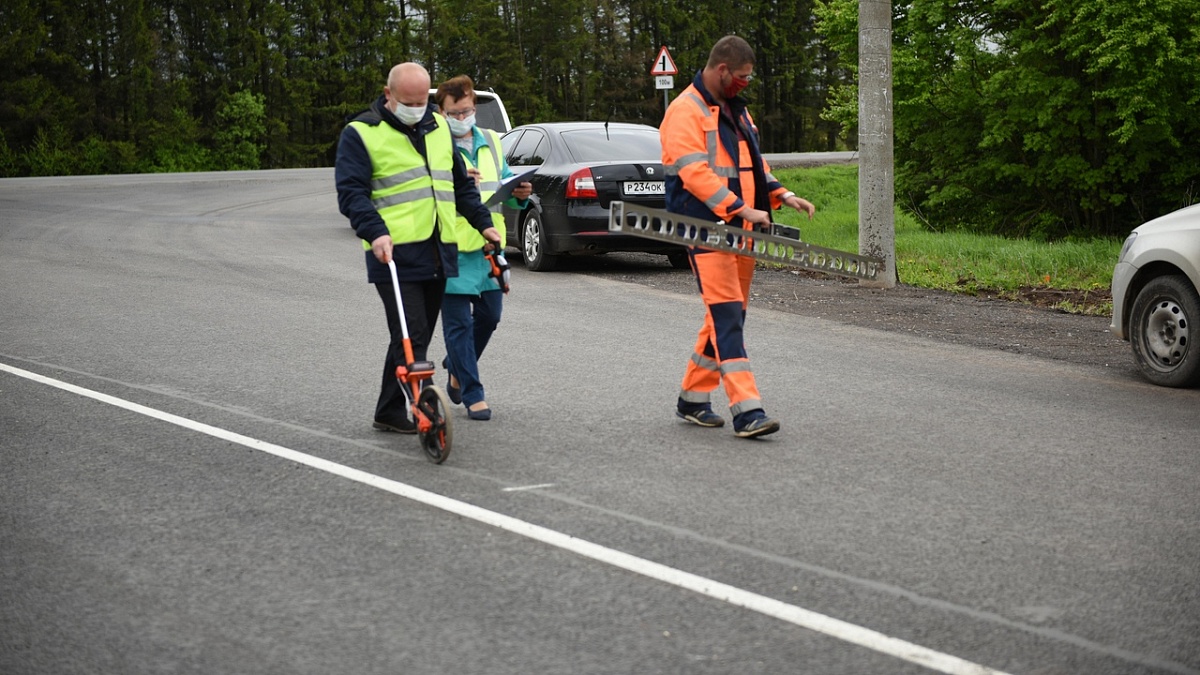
x=638 y=183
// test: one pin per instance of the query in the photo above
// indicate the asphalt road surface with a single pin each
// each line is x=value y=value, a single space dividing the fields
x=188 y=365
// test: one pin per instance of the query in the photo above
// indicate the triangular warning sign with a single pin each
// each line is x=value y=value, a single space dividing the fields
x=663 y=65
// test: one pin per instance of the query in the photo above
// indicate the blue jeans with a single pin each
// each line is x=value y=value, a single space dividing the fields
x=468 y=322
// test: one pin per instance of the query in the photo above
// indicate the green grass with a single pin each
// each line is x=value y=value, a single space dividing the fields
x=955 y=261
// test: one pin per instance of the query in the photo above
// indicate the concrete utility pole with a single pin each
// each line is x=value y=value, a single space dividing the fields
x=876 y=170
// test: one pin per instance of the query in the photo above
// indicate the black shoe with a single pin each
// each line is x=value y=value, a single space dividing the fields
x=397 y=424
x=757 y=427
x=704 y=417
x=455 y=393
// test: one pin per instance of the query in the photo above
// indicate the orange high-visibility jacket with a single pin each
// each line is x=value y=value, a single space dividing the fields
x=699 y=149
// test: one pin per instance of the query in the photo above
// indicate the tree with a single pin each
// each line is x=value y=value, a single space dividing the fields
x=782 y=73
x=241 y=125
x=1067 y=117
x=167 y=85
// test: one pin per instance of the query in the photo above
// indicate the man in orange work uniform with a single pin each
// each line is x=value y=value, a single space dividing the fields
x=715 y=171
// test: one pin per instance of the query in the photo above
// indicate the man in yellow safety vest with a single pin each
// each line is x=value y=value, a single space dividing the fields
x=402 y=186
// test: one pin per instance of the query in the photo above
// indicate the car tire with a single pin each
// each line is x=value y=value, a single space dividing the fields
x=533 y=244
x=679 y=259
x=1163 y=326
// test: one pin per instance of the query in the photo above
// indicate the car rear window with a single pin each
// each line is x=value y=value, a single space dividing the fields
x=595 y=145
x=487 y=114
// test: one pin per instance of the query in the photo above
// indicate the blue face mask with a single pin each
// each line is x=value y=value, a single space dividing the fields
x=461 y=127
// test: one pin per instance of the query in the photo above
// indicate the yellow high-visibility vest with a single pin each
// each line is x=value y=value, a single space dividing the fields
x=491 y=161
x=411 y=194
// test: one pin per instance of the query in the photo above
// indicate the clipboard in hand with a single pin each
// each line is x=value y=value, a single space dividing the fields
x=508 y=185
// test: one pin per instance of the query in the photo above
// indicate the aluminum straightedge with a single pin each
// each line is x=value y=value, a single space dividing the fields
x=671 y=227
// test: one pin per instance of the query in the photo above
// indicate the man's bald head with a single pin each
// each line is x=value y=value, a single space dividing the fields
x=408 y=84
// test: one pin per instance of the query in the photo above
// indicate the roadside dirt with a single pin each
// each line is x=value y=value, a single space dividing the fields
x=1028 y=325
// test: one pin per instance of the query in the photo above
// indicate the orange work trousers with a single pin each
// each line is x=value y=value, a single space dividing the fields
x=720 y=353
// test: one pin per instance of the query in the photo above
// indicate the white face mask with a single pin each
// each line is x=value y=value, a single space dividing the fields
x=409 y=115
x=461 y=127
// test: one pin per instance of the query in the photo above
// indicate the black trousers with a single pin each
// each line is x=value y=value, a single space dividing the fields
x=422 y=303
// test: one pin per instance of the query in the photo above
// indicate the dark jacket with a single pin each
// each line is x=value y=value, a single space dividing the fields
x=418 y=261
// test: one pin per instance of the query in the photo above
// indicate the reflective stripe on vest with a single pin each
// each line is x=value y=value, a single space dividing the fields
x=710 y=142
x=489 y=165
x=411 y=194
x=720 y=164
x=491 y=180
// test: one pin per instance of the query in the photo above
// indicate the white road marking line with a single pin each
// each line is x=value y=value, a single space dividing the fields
x=527 y=487
x=848 y=632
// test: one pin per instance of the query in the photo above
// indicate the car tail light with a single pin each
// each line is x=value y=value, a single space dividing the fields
x=581 y=185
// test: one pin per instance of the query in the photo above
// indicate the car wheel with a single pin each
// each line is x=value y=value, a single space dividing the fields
x=1160 y=331
x=679 y=259
x=533 y=244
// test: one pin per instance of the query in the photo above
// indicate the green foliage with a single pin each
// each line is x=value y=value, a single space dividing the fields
x=98 y=156
x=95 y=80
x=1065 y=117
x=49 y=155
x=241 y=124
x=9 y=160
x=837 y=23
x=956 y=261
x=178 y=158
x=174 y=146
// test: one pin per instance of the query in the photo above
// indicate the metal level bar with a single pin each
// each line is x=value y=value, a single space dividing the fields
x=660 y=225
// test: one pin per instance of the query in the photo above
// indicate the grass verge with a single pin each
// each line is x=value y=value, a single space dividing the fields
x=1072 y=276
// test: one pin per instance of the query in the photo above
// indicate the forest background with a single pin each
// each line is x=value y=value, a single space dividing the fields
x=1052 y=119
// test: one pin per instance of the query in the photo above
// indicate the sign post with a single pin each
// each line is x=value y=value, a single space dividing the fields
x=663 y=69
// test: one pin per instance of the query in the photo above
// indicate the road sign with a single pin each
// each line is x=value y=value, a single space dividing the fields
x=664 y=81
x=663 y=65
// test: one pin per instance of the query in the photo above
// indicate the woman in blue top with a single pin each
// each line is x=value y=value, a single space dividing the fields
x=473 y=300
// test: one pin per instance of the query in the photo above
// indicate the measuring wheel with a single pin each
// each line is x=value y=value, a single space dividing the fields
x=435 y=430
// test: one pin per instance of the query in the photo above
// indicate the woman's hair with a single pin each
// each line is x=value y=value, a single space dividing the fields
x=457 y=87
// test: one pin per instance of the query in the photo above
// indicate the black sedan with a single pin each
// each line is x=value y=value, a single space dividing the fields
x=581 y=168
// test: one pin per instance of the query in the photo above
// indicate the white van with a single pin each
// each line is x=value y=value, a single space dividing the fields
x=489 y=110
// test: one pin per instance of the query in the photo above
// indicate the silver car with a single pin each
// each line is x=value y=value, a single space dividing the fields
x=1155 y=302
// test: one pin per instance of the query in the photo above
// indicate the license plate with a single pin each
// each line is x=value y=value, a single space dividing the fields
x=645 y=187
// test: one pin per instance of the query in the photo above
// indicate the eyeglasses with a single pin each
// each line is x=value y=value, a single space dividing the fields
x=749 y=77
x=460 y=114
